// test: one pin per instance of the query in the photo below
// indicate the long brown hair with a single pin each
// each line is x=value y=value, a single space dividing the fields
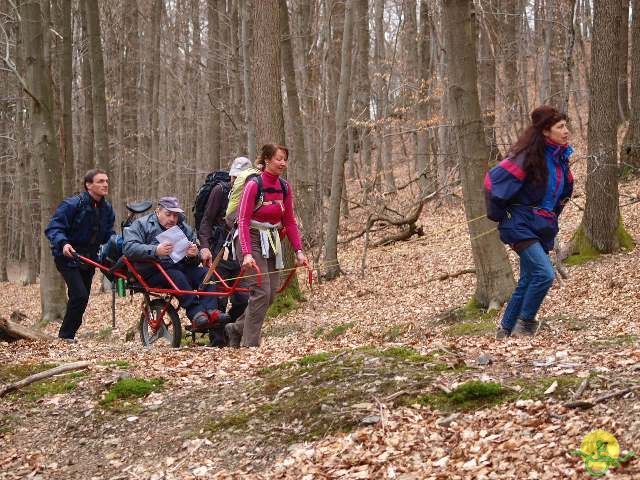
x=532 y=142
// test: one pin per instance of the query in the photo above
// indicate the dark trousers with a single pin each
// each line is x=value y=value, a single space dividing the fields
x=186 y=278
x=231 y=269
x=78 y=280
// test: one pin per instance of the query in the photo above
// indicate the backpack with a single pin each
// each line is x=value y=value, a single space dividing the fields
x=238 y=187
x=213 y=179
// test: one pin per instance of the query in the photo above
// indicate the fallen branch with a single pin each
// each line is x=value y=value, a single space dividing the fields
x=11 y=331
x=602 y=398
x=36 y=377
x=456 y=274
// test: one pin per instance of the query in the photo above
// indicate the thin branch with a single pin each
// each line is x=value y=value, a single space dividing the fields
x=36 y=377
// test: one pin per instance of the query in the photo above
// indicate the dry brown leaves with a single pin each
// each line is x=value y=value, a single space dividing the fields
x=525 y=440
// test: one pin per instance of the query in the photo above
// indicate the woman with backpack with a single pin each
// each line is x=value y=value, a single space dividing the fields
x=266 y=208
x=526 y=193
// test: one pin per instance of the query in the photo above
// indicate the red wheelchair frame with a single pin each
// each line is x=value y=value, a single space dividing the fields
x=159 y=319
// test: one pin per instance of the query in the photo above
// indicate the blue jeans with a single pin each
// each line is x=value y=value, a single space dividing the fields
x=536 y=277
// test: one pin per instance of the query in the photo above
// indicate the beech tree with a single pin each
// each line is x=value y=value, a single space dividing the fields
x=493 y=271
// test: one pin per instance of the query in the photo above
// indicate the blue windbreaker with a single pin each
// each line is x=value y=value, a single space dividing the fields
x=524 y=210
x=83 y=223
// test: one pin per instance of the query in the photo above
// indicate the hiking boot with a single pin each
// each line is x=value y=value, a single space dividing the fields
x=200 y=320
x=232 y=333
x=501 y=333
x=525 y=328
x=218 y=317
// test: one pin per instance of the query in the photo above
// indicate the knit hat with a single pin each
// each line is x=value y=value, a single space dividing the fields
x=545 y=116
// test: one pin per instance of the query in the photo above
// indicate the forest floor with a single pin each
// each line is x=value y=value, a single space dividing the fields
x=385 y=376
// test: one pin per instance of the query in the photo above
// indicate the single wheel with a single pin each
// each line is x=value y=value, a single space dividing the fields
x=159 y=322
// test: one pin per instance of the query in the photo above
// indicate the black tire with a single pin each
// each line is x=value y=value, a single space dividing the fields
x=170 y=329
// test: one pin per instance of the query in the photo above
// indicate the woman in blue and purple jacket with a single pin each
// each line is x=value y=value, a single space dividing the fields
x=525 y=194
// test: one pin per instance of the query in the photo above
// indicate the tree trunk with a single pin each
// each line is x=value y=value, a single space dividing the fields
x=303 y=183
x=337 y=174
x=424 y=165
x=68 y=177
x=630 y=153
x=130 y=171
x=245 y=40
x=362 y=90
x=601 y=223
x=623 y=61
x=28 y=209
x=86 y=158
x=213 y=70
x=267 y=113
x=494 y=276
x=100 y=123
x=45 y=151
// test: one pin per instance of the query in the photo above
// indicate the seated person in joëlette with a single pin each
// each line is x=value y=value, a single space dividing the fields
x=141 y=243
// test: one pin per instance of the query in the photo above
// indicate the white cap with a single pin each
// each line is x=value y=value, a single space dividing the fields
x=238 y=165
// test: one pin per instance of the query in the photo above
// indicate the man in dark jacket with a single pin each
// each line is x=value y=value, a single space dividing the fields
x=80 y=224
x=141 y=243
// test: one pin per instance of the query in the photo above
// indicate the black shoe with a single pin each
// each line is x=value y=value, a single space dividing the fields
x=200 y=320
x=68 y=340
x=234 y=336
x=525 y=328
x=501 y=333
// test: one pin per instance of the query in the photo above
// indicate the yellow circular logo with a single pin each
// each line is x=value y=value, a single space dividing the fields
x=599 y=444
x=600 y=450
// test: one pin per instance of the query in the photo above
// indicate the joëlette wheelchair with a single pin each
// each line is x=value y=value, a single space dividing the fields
x=159 y=321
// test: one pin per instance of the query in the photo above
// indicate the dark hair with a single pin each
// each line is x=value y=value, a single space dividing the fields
x=532 y=142
x=88 y=177
x=267 y=152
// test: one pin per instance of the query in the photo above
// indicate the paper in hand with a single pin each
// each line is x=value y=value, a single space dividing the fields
x=178 y=239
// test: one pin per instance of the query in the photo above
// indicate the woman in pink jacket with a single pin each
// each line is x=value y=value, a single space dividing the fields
x=266 y=207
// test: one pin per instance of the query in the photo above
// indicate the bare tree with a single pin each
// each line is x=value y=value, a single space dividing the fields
x=493 y=271
x=337 y=175
x=630 y=153
x=601 y=226
x=37 y=84
x=96 y=61
x=302 y=177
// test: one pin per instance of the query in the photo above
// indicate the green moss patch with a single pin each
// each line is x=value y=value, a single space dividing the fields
x=327 y=392
x=468 y=396
x=471 y=328
x=121 y=393
x=7 y=424
x=619 y=340
x=63 y=383
x=116 y=363
x=283 y=330
x=286 y=301
x=10 y=373
x=534 y=388
x=337 y=331
x=394 y=332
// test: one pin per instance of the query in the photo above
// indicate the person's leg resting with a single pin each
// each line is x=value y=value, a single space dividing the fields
x=190 y=303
